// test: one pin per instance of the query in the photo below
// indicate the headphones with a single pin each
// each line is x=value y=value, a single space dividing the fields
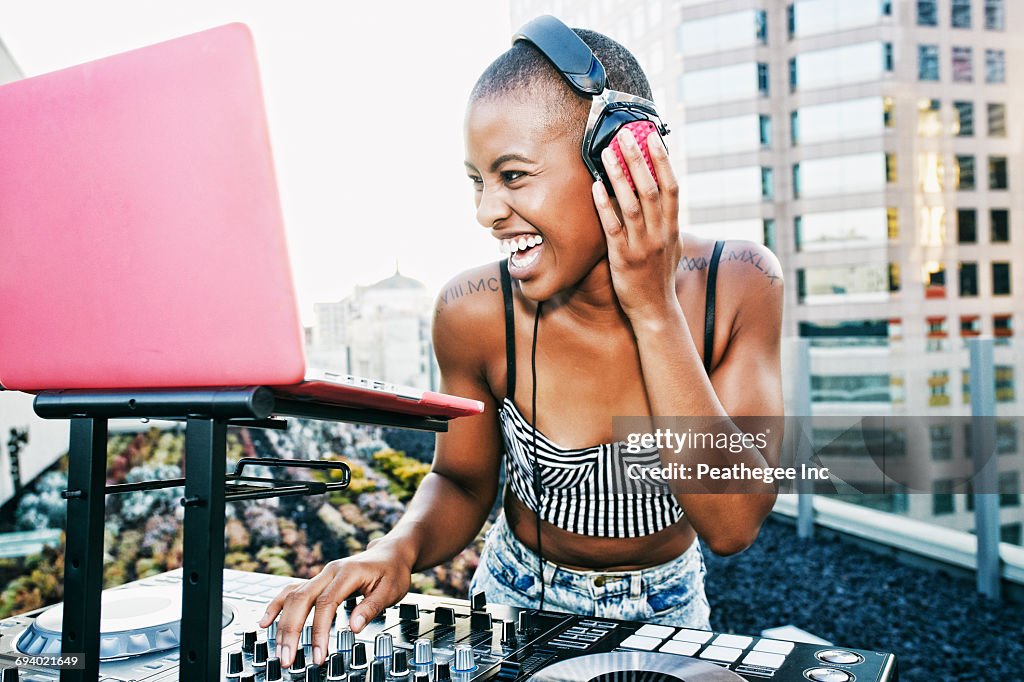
x=610 y=110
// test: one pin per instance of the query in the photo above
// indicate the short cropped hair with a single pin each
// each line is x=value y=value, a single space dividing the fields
x=524 y=73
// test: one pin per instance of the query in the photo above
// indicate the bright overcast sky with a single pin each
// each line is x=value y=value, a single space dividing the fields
x=365 y=102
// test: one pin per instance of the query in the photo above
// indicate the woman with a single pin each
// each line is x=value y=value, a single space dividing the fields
x=602 y=309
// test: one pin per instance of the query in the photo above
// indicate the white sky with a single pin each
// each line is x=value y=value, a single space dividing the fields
x=364 y=179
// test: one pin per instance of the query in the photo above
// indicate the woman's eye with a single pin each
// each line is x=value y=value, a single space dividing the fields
x=476 y=180
x=512 y=176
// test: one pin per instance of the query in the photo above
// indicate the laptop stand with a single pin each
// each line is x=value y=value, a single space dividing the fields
x=207 y=413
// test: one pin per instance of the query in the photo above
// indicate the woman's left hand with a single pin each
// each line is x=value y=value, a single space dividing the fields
x=644 y=247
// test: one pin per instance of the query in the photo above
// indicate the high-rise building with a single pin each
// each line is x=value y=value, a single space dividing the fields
x=875 y=147
x=382 y=332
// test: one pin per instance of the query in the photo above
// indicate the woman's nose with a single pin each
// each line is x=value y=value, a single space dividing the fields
x=491 y=207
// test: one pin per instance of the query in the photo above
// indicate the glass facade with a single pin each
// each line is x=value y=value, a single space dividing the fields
x=968 y=279
x=928 y=62
x=724 y=187
x=840 y=120
x=964 y=172
x=995 y=66
x=966 y=225
x=999 y=222
x=997 y=173
x=852 y=283
x=963 y=65
x=960 y=14
x=843 y=174
x=963 y=119
x=927 y=13
x=843 y=229
x=840 y=65
x=814 y=17
x=721 y=33
x=722 y=84
x=1001 y=279
x=995 y=18
x=996 y=119
x=719 y=136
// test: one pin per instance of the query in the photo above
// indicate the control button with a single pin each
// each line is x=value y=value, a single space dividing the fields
x=383 y=647
x=336 y=668
x=733 y=641
x=312 y=673
x=346 y=638
x=260 y=654
x=774 y=646
x=408 y=612
x=687 y=635
x=828 y=675
x=442 y=672
x=421 y=677
x=235 y=666
x=478 y=601
x=249 y=641
x=839 y=656
x=674 y=646
x=423 y=652
x=399 y=664
x=273 y=669
x=378 y=672
x=359 y=663
x=721 y=653
x=299 y=664
x=639 y=642
x=649 y=630
x=764 y=659
x=305 y=640
x=444 y=615
x=508 y=633
x=247 y=677
x=350 y=603
x=480 y=620
x=272 y=631
x=464 y=661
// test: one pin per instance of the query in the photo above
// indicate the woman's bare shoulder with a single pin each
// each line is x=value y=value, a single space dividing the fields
x=469 y=313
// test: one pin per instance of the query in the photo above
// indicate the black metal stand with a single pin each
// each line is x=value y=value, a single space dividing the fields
x=207 y=413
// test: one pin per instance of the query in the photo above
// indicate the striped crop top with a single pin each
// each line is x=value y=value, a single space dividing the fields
x=585 y=490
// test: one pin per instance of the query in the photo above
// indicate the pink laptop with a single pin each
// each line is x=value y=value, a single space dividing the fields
x=141 y=236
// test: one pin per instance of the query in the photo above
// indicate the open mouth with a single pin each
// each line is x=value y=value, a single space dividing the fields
x=524 y=251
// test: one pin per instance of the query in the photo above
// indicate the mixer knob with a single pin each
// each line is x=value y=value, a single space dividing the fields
x=421 y=677
x=444 y=615
x=464 y=661
x=247 y=677
x=273 y=669
x=442 y=672
x=312 y=673
x=248 y=641
x=828 y=675
x=378 y=672
x=350 y=603
x=480 y=620
x=383 y=646
x=299 y=664
x=408 y=612
x=508 y=632
x=235 y=665
x=336 y=668
x=307 y=636
x=358 y=658
x=423 y=652
x=260 y=654
x=839 y=656
x=346 y=638
x=399 y=664
x=272 y=632
x=478 y=601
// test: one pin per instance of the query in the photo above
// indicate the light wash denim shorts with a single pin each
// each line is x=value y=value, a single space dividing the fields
x=669 y=594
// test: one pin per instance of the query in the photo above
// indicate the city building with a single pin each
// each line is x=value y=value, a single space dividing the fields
x=874 y=147
x=382 y=332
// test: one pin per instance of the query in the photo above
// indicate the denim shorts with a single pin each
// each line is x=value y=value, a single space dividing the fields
x=668 y=594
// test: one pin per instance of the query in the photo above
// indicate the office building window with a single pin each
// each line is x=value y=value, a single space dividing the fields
x=966 y=225
x=1002 y=329
x=928 y=62
x=937 y=334
x=887 y=117
x=894 y=277
x=761 y=24
x=964 y=171
x=963 y=65
x=961 y=14
x=963 y=114
x=767 y=190
x=996 y=119
x=968 y=279
x=798 y=226
x=764 y=127
x=762 y=78
x=995 y=20
x=1006 y=437
x=935 y=280
x=1005 y=390
x=941 y=437
x=768 y=228
x=794 y=127
x=796 y=180
x=970 y=325
x=995 y=66
x=887 y=60
x=886 y=8
x=854 y=388
x=997 y=173
x=892 y=222
x=790 y=20
x=927 y=13
x=938 y=388
x=1010 y=533
x=999 y=222
x=1000 y=279
x=792 y=74
x=890 y=167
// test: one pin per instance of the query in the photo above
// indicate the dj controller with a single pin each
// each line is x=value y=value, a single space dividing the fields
x=426 y=639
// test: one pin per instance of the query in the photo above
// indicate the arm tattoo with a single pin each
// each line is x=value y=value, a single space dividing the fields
x=748 y=256
x=467 y=288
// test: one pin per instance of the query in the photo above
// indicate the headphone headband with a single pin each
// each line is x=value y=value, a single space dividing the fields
x=570 y=56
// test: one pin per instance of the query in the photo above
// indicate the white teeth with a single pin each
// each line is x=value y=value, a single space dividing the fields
x=522 y=243
x=507 y=246
x=531 y=241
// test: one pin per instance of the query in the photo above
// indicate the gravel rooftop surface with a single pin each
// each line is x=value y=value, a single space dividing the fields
x=936 y=624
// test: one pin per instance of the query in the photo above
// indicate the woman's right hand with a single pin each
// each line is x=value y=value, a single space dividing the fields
x=382 y=574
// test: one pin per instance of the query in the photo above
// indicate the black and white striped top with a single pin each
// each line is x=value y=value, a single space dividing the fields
x=587 y=490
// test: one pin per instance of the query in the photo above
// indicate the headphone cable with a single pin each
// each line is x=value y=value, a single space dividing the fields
x=537 y=488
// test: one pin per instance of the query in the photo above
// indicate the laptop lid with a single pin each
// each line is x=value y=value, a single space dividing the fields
x=141 y=236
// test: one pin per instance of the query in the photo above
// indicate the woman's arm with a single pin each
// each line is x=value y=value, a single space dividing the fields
x=642 y=232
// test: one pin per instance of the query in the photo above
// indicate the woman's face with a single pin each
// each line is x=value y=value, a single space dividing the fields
x=529 y=181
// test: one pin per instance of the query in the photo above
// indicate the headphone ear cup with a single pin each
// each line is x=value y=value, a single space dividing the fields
x=641 y=130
